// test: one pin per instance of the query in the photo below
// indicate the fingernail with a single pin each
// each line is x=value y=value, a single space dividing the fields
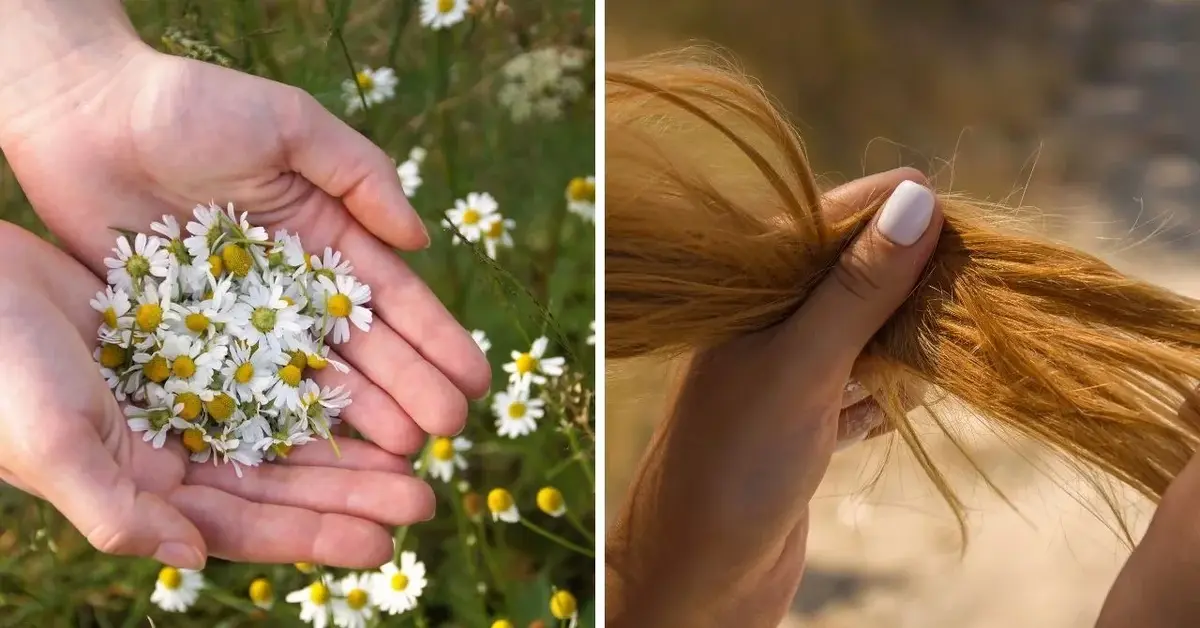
x=180 y=555
x=906 y=214
x=425 y=230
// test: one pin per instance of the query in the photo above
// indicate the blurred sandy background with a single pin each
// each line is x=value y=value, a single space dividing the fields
x=1089 y=111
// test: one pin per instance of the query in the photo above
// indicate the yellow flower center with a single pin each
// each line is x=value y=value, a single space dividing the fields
x=470 y=216
x=196 y=322
x=316 y=362
x=110 y=317
x=550 y=500
x=112 y=356
x=149 y=315
x=220 y=407
x=263 y=319
x=243 y=373
x=562 y=605
x=290 y=375
x=442 y=449
x=261 y=591
x=499 y=500
x=137 y=266
x=399 y=582
x=193 y=440
x=236 y=259
x=502 y=623
x=582 y=190
x=170 y=577
x=282 y=449
x=365 y=81
x=338 y=305
x=287 y=300
x=157 y=370
x=215 y=265
x=517 y=410
x=526 y=363
x=356 y=599
x=305 y=568
x=183 y=367
x=445 y=6
x=191 y=405
x=318 y=593
x=299 y=359
x=496 y=229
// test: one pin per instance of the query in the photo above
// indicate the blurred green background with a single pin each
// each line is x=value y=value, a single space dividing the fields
x=445 y=103
x=1083 y=112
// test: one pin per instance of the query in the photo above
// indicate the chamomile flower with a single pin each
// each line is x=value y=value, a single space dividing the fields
x=262 y=316
x=497 y=233
x=321 y=406
x=288 y=251
x=242 y=228
x=564 y=607
x=285 y=388
x=397 y=588
x=281 y=444
x=343 y=304
x=192 y=359
x=315 y=602
x=188 y=395
x=410 y=171
x=591 y=339
x=439 y=14
x=134 y=265
x=262 y=594
x=113 y=305
x=550 y=501
x=581 y=197
x=516 y=413
x=153 y=311
x=176 y=590
x=375 y=86
x=317 y=356
x=533 y=366
x=446 y=455
x=481 y=339
x=200 y=318
x=250 y=371
x=471 y=215
x=352 y=608
x=207 y=232
x=330 y=265
x=156 y=423
x=503 y=507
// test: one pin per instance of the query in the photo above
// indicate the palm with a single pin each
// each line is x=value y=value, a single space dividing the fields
x=163 y=134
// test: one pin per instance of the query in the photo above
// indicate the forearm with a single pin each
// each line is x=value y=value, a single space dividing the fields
x=49 y=46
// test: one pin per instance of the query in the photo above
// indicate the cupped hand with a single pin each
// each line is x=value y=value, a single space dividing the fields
x=721 y=501
x=63 y=437
x=146 y=134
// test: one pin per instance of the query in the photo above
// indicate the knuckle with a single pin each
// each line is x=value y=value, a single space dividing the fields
x=855 y=273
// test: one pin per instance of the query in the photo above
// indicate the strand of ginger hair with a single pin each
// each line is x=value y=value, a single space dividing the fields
x=714 y=229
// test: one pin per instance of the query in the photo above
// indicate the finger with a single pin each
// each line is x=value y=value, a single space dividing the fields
x=870 y=279
x=398 y=296
x=843 y=201
x=388 y=498
x=355 y=455
x=109 y=509
x=347 y=166
x=433 y=401
x=244 y=531
x=374 y=412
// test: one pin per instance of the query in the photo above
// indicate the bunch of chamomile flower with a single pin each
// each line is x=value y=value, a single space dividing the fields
x=209 y=333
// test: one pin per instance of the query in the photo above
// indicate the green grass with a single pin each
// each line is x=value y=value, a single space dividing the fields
x=446 y=103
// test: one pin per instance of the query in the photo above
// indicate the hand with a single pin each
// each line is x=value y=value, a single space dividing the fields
x=136 y=134
x=714 y=531
x=64 y=438
x=1157 y=587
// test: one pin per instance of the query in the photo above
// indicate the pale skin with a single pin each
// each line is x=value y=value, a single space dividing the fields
x=714 y=530
x=102 y=131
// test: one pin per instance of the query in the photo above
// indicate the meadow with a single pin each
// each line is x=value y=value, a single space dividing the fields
x=502 y=103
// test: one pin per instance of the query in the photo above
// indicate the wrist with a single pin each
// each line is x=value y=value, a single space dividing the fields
x=49 y=49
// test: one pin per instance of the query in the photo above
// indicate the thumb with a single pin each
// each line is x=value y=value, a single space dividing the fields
x=873 y=276
x=117 y=517
x=348 y=166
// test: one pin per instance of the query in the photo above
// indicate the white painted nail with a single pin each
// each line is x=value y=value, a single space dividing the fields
x=906 y=214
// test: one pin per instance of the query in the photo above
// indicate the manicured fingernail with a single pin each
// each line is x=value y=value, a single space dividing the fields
x=906 y=214
x=179 y=555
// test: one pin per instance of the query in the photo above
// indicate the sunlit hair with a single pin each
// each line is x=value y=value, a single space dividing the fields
x=714 y=229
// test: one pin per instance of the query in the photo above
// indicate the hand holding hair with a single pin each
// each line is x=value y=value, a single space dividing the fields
x=721 y=500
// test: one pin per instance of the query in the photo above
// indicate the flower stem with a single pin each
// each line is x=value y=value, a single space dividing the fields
x=577 y=450
x=557 y=539
x=579 y=526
